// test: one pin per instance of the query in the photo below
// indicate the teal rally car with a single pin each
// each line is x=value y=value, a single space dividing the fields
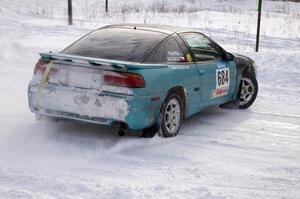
x=140 y=77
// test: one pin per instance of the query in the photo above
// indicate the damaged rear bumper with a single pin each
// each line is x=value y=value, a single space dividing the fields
x=94 y=106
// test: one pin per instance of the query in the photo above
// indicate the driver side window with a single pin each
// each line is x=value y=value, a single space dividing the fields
x=202 y=48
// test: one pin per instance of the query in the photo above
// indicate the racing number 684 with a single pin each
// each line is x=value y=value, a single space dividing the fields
x=222 y=77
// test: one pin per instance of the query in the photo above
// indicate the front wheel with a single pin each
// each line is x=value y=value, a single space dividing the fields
x=248 y=92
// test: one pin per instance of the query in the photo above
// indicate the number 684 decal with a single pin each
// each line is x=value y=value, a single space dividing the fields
x=222 y=77
x=222 y=83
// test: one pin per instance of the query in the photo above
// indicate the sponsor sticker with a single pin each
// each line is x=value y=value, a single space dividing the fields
x=174 y=56
x=174 y=53
x=219 y=92
x=221 y=65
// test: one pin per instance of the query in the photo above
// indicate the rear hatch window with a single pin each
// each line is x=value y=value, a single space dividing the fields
x=117 y=43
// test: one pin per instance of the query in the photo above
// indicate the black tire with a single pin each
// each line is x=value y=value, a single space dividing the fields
x=164 y=129
x=245 y=102
x=160 y=126
x=150 y=132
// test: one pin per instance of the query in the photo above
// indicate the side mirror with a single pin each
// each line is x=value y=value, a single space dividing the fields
x=228 y=56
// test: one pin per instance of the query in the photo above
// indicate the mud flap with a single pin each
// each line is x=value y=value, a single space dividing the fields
x=231 y=105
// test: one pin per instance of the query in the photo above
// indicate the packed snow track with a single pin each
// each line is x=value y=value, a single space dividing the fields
x=219 y=153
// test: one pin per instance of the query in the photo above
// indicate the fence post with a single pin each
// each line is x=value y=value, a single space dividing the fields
x=258 y=24
x=70 y=15
x=106 y=5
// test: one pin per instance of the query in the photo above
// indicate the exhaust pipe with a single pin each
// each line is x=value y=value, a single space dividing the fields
x=122 y=130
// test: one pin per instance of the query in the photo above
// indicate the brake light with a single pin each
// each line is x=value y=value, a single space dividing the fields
x=130 y=80
x=40 y=67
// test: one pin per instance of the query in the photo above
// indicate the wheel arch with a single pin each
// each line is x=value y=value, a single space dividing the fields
x=248 y=71
x=244 y=66
x=182 y=92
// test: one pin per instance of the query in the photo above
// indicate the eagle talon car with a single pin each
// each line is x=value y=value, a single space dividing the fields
x=142 y=77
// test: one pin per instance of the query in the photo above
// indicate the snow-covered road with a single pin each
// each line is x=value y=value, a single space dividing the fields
x=219 y=153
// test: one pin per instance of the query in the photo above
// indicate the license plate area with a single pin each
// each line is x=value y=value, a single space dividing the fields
x=74 y=76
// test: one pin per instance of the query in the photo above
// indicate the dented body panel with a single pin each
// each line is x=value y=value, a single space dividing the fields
x=75 y=92
x=92 y=106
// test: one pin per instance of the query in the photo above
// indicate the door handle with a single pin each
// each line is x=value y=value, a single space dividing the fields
x=201 y=72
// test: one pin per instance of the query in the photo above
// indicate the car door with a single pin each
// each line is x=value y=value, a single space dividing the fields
x=218 y=76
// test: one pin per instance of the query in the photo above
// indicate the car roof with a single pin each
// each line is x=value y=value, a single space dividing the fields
x=165 y=29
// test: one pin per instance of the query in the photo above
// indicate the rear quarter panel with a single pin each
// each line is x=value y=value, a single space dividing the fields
x=159 y=81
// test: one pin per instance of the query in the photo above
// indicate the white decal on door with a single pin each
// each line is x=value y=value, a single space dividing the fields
x=222 y=82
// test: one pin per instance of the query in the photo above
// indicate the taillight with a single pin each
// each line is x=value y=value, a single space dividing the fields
x=130 y=80
x=40 y=67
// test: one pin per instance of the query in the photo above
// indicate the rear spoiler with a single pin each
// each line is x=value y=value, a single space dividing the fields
x=113 y=64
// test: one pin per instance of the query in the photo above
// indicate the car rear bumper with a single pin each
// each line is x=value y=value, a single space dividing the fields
x=93 y=106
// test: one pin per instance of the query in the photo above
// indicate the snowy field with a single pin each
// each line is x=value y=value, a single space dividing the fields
x=219 y=153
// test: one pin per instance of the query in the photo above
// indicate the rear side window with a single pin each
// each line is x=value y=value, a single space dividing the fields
x=117 y=43
x=168 y=51
x=202 y=48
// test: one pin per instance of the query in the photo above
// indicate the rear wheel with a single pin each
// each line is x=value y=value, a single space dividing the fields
x=150 y=131
x=172 y=117
x=248 y=92
x=169 y=119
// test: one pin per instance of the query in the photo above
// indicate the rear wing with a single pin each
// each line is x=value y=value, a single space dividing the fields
x=101 y=63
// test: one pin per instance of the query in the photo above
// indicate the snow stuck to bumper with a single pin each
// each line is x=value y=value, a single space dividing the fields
x=75 y=91
x=82 y=102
